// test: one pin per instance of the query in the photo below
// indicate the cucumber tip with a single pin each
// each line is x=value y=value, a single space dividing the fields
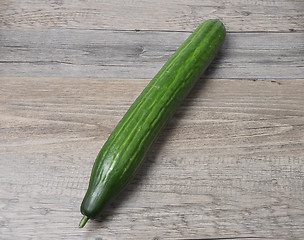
x=83 y=221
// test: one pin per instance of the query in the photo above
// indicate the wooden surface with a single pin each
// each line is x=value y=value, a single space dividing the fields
x=230 y=163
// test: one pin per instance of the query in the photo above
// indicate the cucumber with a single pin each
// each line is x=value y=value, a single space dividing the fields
x=127 y=146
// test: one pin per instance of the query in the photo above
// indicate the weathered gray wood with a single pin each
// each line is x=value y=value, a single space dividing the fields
x=238 y=15
x=229 y=164
x=73 y=53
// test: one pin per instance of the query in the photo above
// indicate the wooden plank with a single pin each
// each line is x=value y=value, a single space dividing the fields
x=229 y=164
x=116 y=54
x=183 y=15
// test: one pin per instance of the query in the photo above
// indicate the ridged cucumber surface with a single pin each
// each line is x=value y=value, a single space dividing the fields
x=127 y=146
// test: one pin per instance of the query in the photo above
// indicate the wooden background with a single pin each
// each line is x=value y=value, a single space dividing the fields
x=229 y=165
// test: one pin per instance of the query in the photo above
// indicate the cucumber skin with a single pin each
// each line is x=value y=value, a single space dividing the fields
x=127 y=146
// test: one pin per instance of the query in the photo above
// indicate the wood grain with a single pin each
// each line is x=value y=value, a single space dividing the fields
x=116 y=54
x=238 y=15
x=229 y=163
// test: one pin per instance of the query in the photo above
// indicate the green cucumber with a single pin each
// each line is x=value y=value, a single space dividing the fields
x=127 y=146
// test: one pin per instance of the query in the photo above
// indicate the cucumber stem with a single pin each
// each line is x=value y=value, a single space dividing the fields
x=83 y=221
